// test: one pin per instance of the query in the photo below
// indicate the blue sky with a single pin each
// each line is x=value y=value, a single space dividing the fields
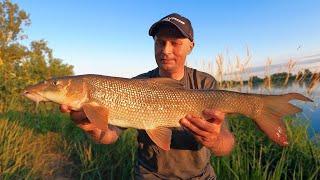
x=111 y=37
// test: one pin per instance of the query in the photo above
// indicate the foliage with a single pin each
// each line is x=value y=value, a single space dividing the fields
x=39 y=145
x=21 y=65
x=279 y=78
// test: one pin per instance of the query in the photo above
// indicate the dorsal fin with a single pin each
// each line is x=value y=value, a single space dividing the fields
x=168 y=82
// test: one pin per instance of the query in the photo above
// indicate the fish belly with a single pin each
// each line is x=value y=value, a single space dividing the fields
x=166 y=110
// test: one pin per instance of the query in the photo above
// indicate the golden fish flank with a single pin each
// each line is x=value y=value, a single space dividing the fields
x=157 y=104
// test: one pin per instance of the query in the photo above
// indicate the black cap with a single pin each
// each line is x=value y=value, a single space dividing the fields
x=182 y=23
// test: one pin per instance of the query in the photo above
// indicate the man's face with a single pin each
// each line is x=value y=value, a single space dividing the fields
x=171 y=49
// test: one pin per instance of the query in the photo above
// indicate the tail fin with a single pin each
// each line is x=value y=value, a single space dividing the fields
x=274 y=108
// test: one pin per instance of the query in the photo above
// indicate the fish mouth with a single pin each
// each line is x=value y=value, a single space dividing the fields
x=34 y=96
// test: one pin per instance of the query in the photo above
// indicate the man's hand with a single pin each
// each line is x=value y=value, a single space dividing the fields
x=99 y=136
x=210 y=132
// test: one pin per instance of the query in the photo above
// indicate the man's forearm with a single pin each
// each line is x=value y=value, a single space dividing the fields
x=224 y=143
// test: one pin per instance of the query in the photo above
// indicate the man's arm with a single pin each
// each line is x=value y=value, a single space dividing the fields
x=212 y=133
x=99 y=136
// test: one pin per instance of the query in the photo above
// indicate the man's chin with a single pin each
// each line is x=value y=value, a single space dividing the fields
x=167 y=67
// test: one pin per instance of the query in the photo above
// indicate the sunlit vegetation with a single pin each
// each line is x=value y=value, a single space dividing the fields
x=42 y=143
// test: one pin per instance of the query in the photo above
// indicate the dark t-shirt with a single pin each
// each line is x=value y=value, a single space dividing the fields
x=187 y=159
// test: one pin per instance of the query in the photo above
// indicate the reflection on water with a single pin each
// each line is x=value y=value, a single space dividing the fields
x=311 y=111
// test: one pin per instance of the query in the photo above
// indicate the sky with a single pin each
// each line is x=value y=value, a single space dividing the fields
x=111 y=37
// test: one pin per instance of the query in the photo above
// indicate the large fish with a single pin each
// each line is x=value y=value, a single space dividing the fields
x=159 y=103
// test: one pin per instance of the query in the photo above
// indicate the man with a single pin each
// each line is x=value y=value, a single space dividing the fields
x=192 y=144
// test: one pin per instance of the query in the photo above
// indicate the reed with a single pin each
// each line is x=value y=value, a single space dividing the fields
x=61 y=150
x=290 y=66
x=220 y=69
x=267 y=79
x=243 y=68
x=315 y=79
x=237 y=75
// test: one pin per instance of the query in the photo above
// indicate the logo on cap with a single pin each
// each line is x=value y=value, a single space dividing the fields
x=173 y=18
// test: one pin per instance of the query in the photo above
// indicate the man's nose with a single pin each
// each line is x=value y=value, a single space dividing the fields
x=167 y=48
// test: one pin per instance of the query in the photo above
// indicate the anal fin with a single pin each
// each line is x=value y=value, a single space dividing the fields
x=161 y=136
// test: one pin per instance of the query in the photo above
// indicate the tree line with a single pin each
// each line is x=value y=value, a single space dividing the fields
x=22 y=65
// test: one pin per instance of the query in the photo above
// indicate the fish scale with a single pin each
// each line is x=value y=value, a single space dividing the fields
x=157 y=103
x=161 y=106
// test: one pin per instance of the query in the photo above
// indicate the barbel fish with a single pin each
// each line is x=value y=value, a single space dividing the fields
x=157 y=104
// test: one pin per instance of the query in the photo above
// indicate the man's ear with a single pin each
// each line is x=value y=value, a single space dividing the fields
x=191 y=47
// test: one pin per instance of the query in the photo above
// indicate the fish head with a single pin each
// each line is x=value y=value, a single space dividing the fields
x=65 y=90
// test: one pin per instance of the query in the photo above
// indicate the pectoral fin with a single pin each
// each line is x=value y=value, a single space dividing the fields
x=97 y=115
x=161 y=136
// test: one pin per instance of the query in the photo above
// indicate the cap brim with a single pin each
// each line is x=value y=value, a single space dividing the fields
x=153 y=29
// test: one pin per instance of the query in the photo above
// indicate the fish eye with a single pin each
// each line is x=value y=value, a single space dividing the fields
x=55 y=82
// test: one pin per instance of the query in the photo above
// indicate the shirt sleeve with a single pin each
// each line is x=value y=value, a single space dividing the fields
x=210 y=83
x=149 y=74
x=140 y=76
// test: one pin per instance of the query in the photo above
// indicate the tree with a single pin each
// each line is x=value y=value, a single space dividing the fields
x=21 y=65
x=12 y=21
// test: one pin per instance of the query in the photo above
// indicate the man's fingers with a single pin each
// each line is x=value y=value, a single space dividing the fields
x=200 y=123
x=95 y=134
x=87 y=127
x=79 y=117
x=75 y=115
x=194 y=129
x=206 y=141
x=98 y=135
x=64 y=108
x=218 y=116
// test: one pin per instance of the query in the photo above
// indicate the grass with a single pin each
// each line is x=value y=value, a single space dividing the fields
x=25 y=154
x=255 y=157
x=38 y=145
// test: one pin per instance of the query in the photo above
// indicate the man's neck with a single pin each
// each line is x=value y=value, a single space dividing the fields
x=177 y=75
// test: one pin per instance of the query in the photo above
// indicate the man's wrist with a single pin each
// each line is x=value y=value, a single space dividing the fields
x=224 y=143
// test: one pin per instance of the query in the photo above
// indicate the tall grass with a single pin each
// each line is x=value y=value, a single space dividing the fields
x=49 y=145
x=267 y=79
x=255 y=157
x=290 y=67
x=314 y=83
x=26 y=154
x=42 y=145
